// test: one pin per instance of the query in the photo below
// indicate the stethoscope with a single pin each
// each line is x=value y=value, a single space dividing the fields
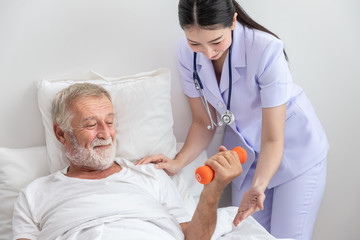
x=227 y=117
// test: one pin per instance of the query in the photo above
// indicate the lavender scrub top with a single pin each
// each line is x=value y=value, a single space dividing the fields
x=260 y=79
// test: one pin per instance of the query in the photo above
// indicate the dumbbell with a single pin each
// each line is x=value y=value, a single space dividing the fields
x=205 y=174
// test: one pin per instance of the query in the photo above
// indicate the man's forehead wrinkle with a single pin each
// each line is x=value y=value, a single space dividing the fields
x=93 y=117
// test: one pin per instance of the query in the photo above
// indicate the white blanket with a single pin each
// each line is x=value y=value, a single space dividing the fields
x=113 y=227
x=116 y=227
x=136 y=203
x=248 y=229
x=131 y=201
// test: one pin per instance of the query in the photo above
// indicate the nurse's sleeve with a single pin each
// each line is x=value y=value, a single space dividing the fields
x=274 y=77
x=185 y=66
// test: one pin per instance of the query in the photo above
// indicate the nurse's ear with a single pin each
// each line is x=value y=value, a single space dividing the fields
x=234 y=21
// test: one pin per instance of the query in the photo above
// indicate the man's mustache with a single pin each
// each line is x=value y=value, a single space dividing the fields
x=101 y=142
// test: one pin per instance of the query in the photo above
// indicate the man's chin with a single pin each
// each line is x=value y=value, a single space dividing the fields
x=95 y=166
x=102 y=167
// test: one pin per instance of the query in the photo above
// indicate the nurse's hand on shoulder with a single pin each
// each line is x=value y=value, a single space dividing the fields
x=252 y=201
x=171 y=167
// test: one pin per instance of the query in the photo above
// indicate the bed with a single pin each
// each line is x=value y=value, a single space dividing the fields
x=144 y=124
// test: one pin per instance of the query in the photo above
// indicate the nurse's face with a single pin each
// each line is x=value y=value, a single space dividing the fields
x=212 y=43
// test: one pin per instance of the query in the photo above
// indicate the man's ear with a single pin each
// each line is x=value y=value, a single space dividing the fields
x=59 y=133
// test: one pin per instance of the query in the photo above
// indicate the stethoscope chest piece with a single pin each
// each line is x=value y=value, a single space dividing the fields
x=227 y=117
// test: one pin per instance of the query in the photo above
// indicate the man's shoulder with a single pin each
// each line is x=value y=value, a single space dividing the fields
x=41 y=181
x=147 y=171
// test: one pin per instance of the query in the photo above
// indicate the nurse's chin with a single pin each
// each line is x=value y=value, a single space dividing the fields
x=215 y=57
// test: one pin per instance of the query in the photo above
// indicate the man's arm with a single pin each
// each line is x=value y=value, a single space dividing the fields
x=24 y=227
x=226 y=165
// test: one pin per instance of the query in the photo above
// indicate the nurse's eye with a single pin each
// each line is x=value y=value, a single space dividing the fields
x=216 y=43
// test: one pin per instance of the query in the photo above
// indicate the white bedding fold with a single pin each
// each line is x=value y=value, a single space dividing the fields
x=119 y=228
x=71 y=219
x=113 y=227
x=248 y=229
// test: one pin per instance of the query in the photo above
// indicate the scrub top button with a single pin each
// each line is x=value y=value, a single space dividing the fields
x=220 y=105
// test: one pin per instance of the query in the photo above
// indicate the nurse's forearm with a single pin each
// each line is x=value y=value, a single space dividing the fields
x=199 y=136
x=272 y=145
x=197 y=140
x=268 y=163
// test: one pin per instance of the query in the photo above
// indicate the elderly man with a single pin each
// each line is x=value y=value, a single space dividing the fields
x=102 y=197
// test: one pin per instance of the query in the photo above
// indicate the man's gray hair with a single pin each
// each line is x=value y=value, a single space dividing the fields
x=65 y=98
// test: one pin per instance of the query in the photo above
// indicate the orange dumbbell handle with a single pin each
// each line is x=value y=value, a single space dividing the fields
x=205 y=174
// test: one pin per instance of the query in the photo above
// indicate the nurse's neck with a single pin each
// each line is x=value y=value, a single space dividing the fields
x=218 y=65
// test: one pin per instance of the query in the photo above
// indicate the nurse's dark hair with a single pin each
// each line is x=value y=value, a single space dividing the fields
x=215 y=14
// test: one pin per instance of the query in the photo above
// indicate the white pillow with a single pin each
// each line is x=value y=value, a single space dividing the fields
x=18 y=168
x=141 y=103
x=144 y=122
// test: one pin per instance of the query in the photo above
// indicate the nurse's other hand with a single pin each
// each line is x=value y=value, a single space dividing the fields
x=171 y=167
x=252 y=201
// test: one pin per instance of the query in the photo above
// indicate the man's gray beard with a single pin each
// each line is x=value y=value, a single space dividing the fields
x=96 y=159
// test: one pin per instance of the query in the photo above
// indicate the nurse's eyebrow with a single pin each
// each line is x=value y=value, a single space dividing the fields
x=216 y=39
x=211 y=41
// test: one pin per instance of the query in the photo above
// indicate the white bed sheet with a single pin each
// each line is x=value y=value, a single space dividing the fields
x=113 y=227
x=249 y=229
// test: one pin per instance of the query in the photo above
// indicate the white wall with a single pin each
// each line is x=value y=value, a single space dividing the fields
x=46 y=39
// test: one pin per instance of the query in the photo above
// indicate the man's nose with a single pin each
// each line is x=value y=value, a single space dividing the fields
x=103 y=131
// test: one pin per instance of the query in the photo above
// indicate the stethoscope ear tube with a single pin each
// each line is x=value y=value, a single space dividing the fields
x=227 y=117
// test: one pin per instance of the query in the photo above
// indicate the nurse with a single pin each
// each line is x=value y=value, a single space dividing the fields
x=243 y=78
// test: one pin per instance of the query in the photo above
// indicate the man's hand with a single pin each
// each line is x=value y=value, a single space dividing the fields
x=226 y=165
